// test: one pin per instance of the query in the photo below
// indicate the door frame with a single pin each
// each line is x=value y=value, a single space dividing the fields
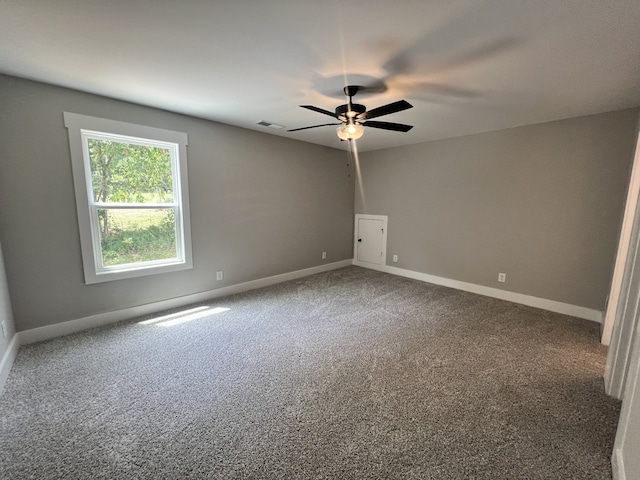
x=629 y=223
x=621 y=314
x=385 y=220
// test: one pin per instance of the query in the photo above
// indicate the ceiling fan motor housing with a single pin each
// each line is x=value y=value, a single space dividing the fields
x=355 y=108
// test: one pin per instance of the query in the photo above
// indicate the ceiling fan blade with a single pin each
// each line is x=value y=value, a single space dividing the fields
x=385 y=110
x=312 y=126
x=397 y=127
x=320 y=110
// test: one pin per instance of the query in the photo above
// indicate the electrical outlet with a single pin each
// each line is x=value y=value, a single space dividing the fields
x=4 y=329
x=219 y=275
x=324 y=255
x=395 y=258
x=502 y=277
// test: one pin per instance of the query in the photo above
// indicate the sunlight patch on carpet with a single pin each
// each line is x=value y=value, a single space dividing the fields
x=183 y=316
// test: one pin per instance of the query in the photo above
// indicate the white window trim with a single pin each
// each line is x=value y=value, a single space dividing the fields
x=78 y=127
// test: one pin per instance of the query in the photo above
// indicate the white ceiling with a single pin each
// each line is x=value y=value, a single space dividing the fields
x=467 y=66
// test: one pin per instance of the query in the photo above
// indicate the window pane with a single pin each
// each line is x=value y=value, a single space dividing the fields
x=136 y=235
x=126 y=172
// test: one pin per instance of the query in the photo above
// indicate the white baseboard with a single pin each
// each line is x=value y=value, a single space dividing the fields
x=7 y=360
x=542 y=303
x=617 y=465
x=72 y=326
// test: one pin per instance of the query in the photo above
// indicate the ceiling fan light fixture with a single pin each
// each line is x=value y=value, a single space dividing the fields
x=350 y=131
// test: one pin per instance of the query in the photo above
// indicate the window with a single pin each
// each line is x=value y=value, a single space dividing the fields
x=131 y=196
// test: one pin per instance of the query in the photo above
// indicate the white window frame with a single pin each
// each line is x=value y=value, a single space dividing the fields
x=81 y=128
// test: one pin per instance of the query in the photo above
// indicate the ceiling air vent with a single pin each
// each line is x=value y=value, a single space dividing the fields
x=275 y=126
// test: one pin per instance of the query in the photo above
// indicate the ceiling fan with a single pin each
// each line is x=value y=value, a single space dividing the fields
x=354 y=117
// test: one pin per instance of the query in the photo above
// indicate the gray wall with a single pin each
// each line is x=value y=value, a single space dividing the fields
x=542 y=203
x=261 y=205
x=6 y=313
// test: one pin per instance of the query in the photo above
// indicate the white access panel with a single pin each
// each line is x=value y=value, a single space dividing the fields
x=371 y=239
